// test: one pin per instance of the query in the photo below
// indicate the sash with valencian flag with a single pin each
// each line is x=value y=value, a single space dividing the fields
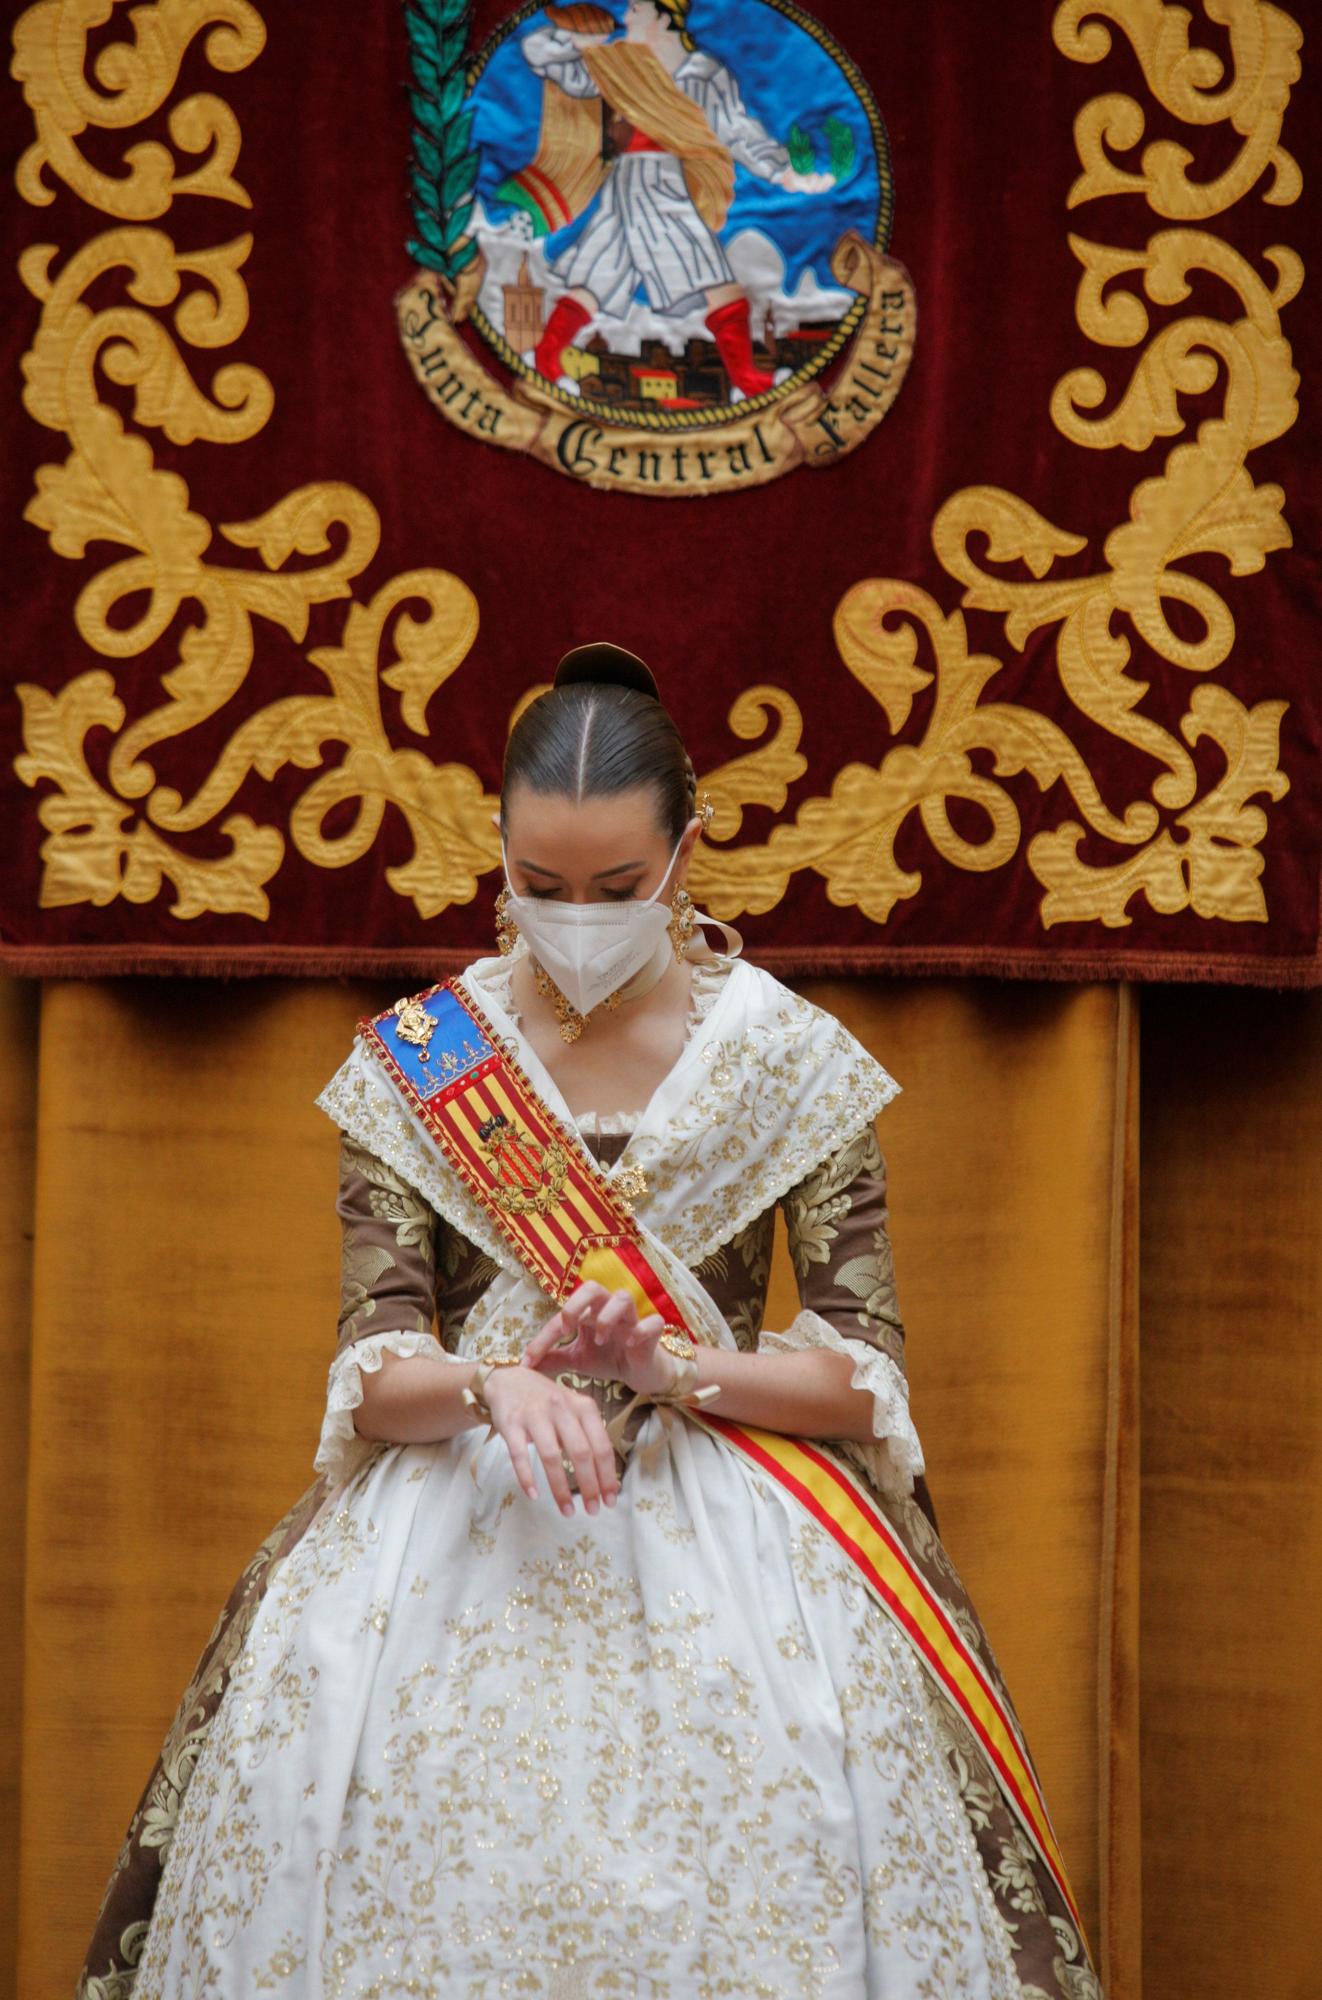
x=567 y=1224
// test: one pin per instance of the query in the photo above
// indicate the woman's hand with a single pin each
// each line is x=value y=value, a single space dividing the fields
x=609 y=1341
x=528 y=1408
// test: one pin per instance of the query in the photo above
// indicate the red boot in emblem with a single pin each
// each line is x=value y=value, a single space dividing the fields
x=729 y=329
x=568 y=318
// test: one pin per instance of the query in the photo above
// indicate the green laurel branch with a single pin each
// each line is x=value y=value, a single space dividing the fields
x=443 y=168
x=841 y=148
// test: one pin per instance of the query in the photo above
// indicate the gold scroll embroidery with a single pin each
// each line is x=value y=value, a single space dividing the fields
x=116 y=827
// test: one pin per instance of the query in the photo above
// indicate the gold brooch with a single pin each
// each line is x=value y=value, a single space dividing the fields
x=416 y=1025
x=630 y=1184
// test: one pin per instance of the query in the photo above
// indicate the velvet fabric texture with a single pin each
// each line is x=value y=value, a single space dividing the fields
x=957 y=709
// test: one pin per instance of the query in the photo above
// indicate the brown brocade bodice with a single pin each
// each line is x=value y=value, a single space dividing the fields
x=404 y=1269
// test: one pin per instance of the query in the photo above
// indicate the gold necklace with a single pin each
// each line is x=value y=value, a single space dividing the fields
x=572 y=1023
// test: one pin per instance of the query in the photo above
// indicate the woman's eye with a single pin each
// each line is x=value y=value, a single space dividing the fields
x=609 y=895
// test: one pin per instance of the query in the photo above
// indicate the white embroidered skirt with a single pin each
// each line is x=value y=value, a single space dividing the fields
x=478 y=1748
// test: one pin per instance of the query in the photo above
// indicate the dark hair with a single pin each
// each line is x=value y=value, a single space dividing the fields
x=676 y=14
x=592 y=739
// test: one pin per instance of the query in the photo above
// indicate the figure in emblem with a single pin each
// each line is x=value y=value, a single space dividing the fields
x=654 y=126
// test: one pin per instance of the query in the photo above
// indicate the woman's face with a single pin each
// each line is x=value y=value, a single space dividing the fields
x=597 y=851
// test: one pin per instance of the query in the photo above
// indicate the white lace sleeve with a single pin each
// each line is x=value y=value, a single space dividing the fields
x=341 y=1451
x=896 y=1459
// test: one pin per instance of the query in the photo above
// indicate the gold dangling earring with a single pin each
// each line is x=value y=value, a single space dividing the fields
x=507 y=931
x=682 y=922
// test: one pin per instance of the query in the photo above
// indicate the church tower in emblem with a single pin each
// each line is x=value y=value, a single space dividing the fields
x=524 y=321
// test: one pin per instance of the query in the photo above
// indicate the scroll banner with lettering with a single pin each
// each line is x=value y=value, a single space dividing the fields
x=915 y=388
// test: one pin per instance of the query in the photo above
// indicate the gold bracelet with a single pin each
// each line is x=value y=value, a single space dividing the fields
x=685 y=1388
x=471 y=1393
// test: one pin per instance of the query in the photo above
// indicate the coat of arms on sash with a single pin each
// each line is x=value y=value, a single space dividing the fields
x=651 y=239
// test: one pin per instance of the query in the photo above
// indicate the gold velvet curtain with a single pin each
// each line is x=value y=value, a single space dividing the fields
x=1149 y=1582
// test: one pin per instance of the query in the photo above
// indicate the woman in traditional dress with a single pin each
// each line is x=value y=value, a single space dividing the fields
x=614 y=1651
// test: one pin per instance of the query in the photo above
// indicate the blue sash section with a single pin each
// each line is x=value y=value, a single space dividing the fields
x=455 y=1047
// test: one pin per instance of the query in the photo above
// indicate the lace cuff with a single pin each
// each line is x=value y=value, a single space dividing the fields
x=896 y=1459
x=341 y=1451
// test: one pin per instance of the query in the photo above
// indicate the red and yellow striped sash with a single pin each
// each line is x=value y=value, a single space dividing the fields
x=566 y=1224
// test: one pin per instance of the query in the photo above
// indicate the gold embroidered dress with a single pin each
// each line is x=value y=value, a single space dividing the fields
x=448 y=1741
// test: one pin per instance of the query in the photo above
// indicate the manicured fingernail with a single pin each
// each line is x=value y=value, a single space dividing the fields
x=611 y=1498
x=566 y=1506
x=591 y=1506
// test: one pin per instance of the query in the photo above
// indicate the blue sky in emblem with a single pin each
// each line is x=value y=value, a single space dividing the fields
x=785 y=77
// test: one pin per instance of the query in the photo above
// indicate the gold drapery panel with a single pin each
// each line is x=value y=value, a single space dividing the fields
x=1232 y=1477
x=183 y=1269
x=185 y=1282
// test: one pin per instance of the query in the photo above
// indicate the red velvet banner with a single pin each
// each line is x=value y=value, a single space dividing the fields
x=1023 y=681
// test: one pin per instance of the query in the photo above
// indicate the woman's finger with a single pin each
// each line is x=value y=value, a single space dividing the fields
x=585 y=1301
x=581 y=1312
x=618 y=1314
x=613 y=1320
x=574 y=1441
x=603 y=1451
x=546 y=1338
x=543 y=1434
x=516 y=1440
x=645 y=1331
x=555 y=1358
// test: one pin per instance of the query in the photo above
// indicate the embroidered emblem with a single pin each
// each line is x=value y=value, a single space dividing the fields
x=530 y=1177
x=668 y=233
x=453 y=1063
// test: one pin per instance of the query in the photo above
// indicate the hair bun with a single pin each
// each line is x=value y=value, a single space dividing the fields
x=611 y=666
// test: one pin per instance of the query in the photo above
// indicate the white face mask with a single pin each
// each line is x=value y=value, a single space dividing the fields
x=590 y=950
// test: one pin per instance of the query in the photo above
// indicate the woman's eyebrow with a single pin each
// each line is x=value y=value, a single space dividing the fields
x=602 y=875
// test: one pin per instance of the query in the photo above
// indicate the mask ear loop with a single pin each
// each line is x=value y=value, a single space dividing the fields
x=651 y=901
x=699 y=950
x=734 y=940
